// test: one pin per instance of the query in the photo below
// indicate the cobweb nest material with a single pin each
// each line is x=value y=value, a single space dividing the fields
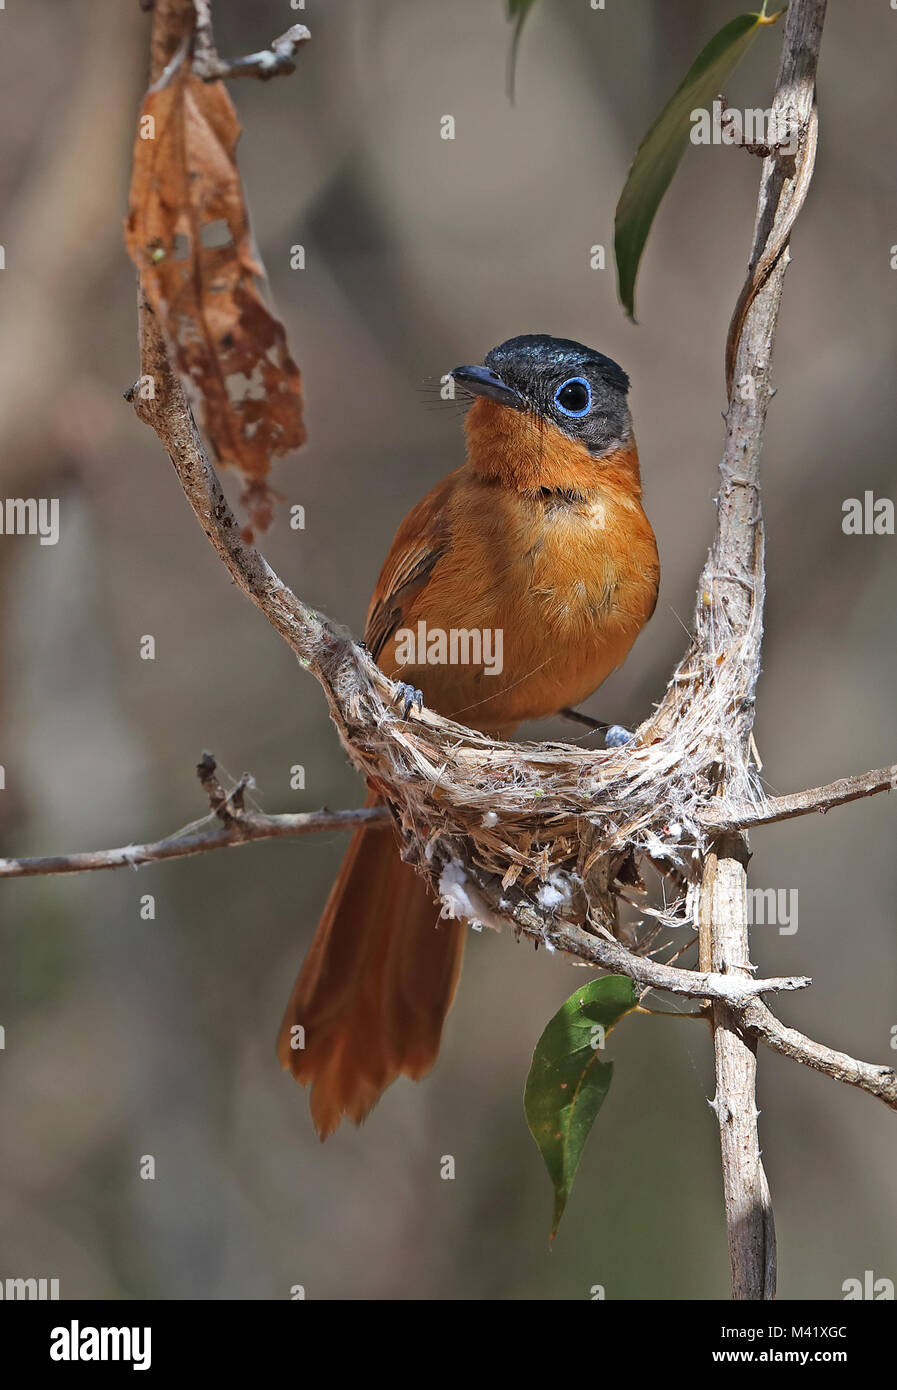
x=542 y=833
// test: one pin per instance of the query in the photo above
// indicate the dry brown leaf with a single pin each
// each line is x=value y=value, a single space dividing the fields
x=188 y=234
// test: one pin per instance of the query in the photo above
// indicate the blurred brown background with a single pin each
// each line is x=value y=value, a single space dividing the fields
x=127 y=1037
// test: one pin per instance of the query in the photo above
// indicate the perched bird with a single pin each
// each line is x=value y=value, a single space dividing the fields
x=540 y=541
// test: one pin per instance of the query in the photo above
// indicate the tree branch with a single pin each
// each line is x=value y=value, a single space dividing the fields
x=199 y=838
x=876 y=1080
x=729 y=615
x=473 y=895
x=276 y=61
x=821 y=799
x=653 y=974
x=229 y=824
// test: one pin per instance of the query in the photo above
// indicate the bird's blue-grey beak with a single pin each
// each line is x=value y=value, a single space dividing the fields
x=482 y=381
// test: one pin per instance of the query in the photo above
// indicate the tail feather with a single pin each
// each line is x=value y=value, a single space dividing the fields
x=375 y=988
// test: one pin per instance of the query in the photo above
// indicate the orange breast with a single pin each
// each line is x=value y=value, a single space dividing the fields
x=556 y=589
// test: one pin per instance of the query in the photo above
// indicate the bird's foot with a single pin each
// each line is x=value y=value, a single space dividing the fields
x=617 y=737
x=408 y=697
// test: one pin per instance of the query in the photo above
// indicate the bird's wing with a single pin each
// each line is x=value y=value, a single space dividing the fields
x=421 y=541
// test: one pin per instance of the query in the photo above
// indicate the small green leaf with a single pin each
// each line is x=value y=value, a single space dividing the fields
x=568 y=1081
x=658 y=156
x=517 y=13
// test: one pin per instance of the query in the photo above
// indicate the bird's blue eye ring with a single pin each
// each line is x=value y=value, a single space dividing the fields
x=574 y=396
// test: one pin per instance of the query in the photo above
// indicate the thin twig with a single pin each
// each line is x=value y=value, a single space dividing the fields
x=761 y=268
x=199 y=838
x=170 y=416
x=492 y=904
x=732 y=990
x=868 y=1076
x=821 y=799
x=276 y=61
x=229 y=824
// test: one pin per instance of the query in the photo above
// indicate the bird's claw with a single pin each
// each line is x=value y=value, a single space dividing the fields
x=408 y=697
x=617 y=737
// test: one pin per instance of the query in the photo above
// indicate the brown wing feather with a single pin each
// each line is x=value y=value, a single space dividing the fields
x=421 y=541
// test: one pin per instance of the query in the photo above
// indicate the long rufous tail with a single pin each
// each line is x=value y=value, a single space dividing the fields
x=375 y=987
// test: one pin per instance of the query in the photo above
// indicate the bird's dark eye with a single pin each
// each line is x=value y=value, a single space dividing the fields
x=574 y=397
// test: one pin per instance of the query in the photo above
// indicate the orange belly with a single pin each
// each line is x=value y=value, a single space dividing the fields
x=530 y=608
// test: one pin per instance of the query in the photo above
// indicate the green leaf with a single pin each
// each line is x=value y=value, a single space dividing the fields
x=568 y=1081
x=517 y=13
x=658 y=155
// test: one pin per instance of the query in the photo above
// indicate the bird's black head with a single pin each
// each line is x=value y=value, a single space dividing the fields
x=580 y=391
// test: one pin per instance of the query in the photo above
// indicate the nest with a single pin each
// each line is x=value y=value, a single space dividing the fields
x=538 y=833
